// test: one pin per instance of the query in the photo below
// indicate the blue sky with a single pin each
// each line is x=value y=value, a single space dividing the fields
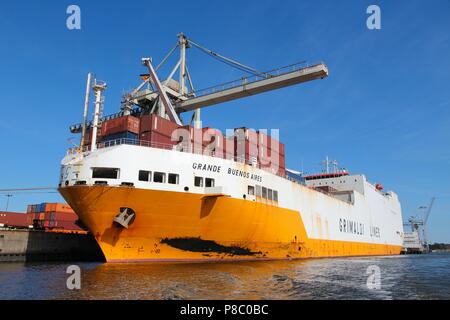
x=383 y=111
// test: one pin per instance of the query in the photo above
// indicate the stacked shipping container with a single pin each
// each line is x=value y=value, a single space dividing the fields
x=88 y=137
x=213 y=143
x=157 y=131
x=53 y=216
x=245 y=145
x=15 y=219
x=126 y=127
x=271 y=153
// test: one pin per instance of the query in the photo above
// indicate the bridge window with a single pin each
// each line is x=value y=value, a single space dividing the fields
x=275 y=195
x=269 y=194
x=145 y=175
x=159 y=177
x=264 y=192
x=198 y=181
x=105 y=173
x=258 y=191
x=209 y=182
x=173 y=178
x=251 y=190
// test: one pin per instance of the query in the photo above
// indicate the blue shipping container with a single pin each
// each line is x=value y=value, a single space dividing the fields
x=120 y=135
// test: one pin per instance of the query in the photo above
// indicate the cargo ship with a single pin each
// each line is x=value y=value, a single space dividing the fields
x=152 y=188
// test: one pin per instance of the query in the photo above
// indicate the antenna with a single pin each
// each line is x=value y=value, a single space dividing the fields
x=7 y=200
x=327 y=163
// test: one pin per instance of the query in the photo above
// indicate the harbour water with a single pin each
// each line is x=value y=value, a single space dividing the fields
x=401 y=277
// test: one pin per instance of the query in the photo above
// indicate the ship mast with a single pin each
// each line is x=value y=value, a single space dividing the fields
x=328 y=163
x=86 y=107
x=98 y=88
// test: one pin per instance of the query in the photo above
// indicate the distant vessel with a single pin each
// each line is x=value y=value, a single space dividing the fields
x=153 y=189
x=416 y=240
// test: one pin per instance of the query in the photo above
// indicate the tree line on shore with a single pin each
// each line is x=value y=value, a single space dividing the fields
x=440 y=246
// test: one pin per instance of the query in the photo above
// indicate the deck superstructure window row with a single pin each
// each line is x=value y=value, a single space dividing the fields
x=263 y=192
x=159 y=177
x=143 y=175
x=105 y=173
x=207 y=182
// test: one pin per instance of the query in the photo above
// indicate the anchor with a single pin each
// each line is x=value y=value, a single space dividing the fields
x=125 y=218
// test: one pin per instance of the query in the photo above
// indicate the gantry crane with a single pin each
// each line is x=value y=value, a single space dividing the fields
x=419 y=222
x=170 y=98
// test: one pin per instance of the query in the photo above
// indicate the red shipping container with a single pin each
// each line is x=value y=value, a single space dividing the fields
x=263 y=157
x=245 y=148
x=268 y=142
x=213 y=139
x=229 y=146
x=88 y=137
x=121 y=124
x=281 y=172
x=64 y=216
x=63 y=207
x=158 y=124
x=157 y=140
x=66 y=225
x=247 y=134
x=195 y=137
x=146 y=123
x=49 y=207
x=47 y=216
x=15 y=219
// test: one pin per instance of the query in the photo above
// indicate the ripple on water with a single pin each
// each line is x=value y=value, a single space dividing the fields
x=402 y=277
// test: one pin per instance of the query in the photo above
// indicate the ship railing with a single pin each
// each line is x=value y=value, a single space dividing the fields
x=180 y=147
x=252 y=79
x=134 y=142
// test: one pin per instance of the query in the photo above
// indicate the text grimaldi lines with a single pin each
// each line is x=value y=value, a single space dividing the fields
x=358 y=228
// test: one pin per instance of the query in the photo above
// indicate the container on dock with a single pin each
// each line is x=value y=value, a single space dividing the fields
x=14 y=219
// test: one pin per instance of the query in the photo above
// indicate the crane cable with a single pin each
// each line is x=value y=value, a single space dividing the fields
x=29 y=190
x=228 y=61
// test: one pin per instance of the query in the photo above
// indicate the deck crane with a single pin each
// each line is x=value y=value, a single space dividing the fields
x=170 y=98
x=184 y=100
x=425 y=221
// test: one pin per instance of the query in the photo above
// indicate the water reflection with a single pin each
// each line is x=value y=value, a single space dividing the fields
x=402 y=277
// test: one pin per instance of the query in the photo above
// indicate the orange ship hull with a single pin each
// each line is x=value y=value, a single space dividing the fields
x=176 y=226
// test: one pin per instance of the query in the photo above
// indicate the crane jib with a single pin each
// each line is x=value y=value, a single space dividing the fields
x=211 y=96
